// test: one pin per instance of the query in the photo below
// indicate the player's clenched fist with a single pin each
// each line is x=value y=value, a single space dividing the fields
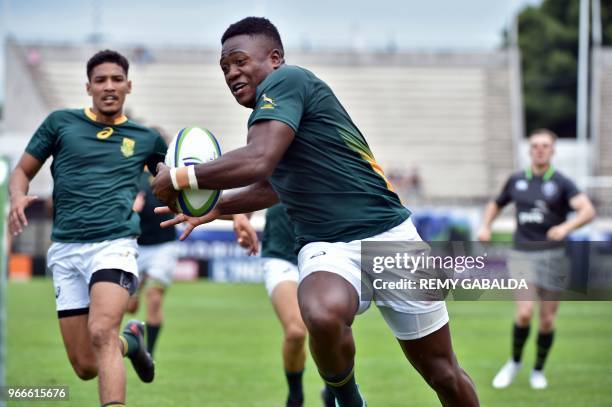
x=17 y=217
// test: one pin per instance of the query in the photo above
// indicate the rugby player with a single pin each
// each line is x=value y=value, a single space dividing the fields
x=157 y=257
x=98 y=155
x=543 y=197
x=304 y=149
x=281 y=276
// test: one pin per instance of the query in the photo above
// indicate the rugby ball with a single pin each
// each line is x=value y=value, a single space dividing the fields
x=191 y=146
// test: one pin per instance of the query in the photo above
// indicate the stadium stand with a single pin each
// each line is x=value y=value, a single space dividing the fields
x=602 y=128
x=448 y=114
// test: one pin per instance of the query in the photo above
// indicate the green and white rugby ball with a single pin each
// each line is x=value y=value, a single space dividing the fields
x=191 y=146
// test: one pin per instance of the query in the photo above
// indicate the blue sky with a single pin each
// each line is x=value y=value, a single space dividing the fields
x=409 y=24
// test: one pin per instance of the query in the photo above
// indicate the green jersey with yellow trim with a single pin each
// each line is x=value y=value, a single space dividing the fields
x=332 y=187
x=96 y=170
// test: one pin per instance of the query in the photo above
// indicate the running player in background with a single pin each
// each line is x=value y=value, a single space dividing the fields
x=98 y=155
x=157 y=257
x=281 y=276
x=543 y=198
x=304 y=149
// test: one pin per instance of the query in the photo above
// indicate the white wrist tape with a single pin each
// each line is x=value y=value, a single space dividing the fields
x=191 y=175
x=173 y=178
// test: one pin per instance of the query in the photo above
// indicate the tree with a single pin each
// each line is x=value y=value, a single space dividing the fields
x=548 y=40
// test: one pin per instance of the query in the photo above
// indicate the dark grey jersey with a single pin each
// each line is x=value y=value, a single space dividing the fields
x=541 y=203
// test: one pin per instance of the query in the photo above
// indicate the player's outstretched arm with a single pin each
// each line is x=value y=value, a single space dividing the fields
x=19 y=184
x=267 y=142
x=250 y=199
x=253 y=198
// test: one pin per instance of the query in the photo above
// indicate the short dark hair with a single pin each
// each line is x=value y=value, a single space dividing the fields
x=254 y=26
x=107 y=56
x=553 y=136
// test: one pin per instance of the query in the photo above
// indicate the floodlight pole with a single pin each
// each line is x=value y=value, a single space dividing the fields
x=583 y=83
x=595 y=99
x=516 y=86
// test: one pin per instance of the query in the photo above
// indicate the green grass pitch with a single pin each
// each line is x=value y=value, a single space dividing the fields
x=220 y=346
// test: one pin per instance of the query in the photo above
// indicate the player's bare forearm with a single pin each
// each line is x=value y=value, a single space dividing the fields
x=238 y=168
x=255 y=197
x=249 y=199
x=267 y=141
x=27 y=167
x=19 y=183
x=585 y=212
x=233 y=217
x=226 y=217
x=491 y=212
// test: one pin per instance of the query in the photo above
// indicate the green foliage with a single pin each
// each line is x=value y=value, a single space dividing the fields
x=606 y=18
x=548 y=39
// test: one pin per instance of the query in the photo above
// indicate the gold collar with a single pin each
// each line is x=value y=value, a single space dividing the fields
x=92 y=116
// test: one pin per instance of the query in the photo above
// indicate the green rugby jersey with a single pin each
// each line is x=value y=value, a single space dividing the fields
x=278 y=238
x=328 y=179
x=96 y=170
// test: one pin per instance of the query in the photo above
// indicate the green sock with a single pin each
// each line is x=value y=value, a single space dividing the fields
x=344 y=388
x=130 y=343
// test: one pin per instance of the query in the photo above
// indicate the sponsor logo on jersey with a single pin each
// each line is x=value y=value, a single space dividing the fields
x=549 y=189
x=533 y=216
x=105 y=133
x=268 y=103
x=521 y=185
x=541 y=206
x=127 y=147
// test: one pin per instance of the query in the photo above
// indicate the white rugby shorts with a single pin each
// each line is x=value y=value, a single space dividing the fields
x=157 y=262
x=277 y=271
x=73 y=265
x=408 y=319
